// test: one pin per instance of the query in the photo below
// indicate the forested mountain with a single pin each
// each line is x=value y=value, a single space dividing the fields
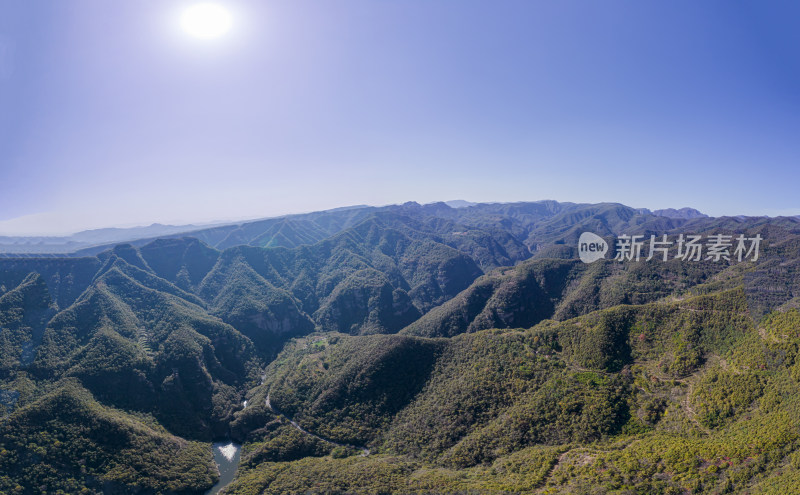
x=529 y=223
x=416 y=348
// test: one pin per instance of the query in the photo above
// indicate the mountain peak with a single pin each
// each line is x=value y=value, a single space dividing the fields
x=683 y=213
x=459 y=203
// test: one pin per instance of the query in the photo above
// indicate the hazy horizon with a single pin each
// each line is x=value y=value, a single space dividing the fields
x=302 y=106
x=24 y=223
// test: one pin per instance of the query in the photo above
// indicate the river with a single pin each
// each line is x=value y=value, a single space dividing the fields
x=226 y=455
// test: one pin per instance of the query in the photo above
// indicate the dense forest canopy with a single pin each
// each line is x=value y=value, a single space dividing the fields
x=414 y=348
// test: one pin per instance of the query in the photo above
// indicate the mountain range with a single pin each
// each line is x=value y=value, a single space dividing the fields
x=272 y=231
x=408 y=348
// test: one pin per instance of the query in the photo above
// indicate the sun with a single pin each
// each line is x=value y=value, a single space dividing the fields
x=206 y=20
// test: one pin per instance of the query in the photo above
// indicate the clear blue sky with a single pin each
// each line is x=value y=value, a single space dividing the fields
x=111 y=115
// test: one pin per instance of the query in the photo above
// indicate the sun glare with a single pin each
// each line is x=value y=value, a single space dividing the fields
x=206 y=20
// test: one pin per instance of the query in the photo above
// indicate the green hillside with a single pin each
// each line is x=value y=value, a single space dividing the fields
x=658 y=398
x=68 y=443
x=413 y=348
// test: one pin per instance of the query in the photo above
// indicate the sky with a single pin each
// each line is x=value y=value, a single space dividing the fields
x=111 y=114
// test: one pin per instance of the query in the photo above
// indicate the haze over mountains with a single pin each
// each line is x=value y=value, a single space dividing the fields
x=102 y=237
x=458 y=349
x=84 y=239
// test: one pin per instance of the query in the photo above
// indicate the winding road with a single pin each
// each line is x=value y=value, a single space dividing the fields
x=364 y=451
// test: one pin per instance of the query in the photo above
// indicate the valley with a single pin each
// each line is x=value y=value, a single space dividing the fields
x=410 y=348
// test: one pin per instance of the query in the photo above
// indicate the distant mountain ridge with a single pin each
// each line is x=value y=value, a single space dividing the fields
x=86 y=238
x=287 y=230
x=685 y=213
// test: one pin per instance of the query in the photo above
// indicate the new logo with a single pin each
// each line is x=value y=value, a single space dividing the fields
x=591 y=247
